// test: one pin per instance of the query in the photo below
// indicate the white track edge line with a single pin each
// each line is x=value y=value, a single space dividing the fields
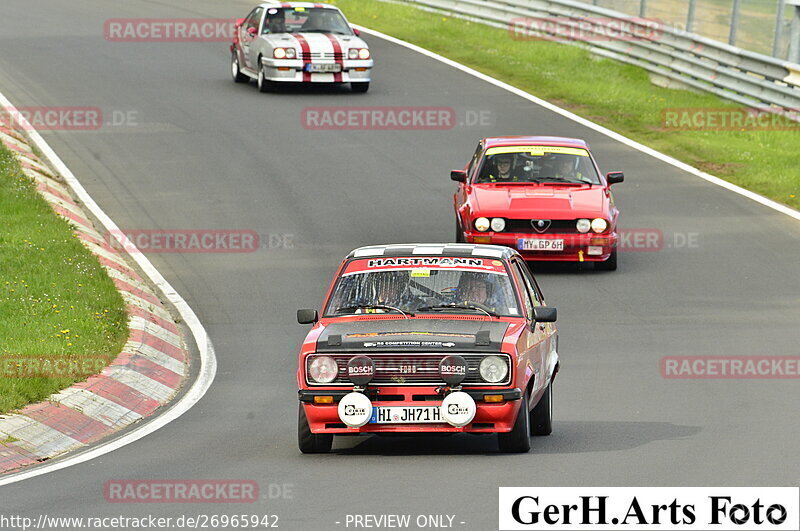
x=208 y=360
x=783 y=209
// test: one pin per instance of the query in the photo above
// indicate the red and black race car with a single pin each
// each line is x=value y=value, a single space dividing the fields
x=439 y=338
x=544 y=196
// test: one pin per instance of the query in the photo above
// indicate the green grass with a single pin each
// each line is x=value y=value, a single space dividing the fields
x=56 y=302
x=618 y=96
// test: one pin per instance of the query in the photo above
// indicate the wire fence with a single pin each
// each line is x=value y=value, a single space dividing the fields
x=764 y=26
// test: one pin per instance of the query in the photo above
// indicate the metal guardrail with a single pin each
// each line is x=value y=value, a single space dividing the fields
x=739 y=75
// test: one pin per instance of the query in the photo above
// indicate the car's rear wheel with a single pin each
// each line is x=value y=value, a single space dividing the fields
x=311 y=443
x=264 y=84
x=238 y=77
x=541 y=420
x=608 y=265
x=518 y=440
x=360 y=87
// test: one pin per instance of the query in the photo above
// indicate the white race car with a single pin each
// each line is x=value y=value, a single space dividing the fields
x=299 y=42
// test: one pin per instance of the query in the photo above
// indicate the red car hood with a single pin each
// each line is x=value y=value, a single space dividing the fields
x=546 y=202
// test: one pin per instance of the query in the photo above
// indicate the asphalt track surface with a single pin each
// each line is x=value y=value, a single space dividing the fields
x=208 y=153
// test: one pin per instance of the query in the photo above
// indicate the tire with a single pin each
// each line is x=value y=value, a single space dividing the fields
x=541 y=420
x=459 y=234
x=264 y=85
x=360 y=87
x=518 y=440
x=238 y=77
x=311 y=443
x=608 y=265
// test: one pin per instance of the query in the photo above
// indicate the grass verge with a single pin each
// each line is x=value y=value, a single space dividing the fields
x=61 y=317
x=618 y=96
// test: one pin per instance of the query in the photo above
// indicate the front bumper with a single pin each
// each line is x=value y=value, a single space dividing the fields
x=489 y=417
x=587 y=247
x=292 y=70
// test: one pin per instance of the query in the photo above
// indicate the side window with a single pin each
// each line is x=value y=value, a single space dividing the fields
x=475 y=158
x=254 y=18
x=533 y=287
x=526 y=298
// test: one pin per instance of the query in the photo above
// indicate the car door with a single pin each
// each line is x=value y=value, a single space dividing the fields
x=546 y=333
x=248 y=37
x=529 y=358
x=461 y=199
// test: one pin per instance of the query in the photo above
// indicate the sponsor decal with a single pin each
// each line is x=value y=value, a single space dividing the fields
x=437 y=334
x=426 y=264
x=379 y=344
x=649 y=508
x=537 y=151
x=360 y=370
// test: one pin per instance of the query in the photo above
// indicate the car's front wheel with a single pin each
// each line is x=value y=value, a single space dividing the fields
x=518 y=440
x=264 y=84
x=542 y=415
x=311 y=443
x=608 y=265
x=459 y=234
x=362 y=86
x=238 y=77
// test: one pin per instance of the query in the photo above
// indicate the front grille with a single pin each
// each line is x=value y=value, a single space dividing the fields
x=308 y=56
x=411 y=369
x=557 y=226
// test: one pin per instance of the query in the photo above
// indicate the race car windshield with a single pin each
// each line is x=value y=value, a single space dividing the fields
x=422 y=290
x=305 y=20
x=537 y=164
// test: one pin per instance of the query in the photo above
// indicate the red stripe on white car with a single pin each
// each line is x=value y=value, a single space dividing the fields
x=305 y=53
x=337 y=52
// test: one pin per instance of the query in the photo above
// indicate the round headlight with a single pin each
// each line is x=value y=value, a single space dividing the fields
x=323 y=369
x=583 y=225
x=599 y=225
x=498 y=224
x=291 y=53
x=279 y=53
x=352 y=53
x=363 y=53
x=493 y=369
x=482 y=224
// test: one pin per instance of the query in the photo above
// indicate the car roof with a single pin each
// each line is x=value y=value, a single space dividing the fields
x=494 y=141
x=436 y=249
x=296 y=4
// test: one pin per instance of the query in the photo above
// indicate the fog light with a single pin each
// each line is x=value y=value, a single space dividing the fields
x=323 y=400
x=594 y=250
x=493 y=398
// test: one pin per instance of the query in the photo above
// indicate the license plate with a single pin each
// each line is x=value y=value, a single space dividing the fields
x=323 y=68
x=406 y=415
x=540 y=245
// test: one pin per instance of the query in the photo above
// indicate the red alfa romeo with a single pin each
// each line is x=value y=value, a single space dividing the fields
x=544 y=196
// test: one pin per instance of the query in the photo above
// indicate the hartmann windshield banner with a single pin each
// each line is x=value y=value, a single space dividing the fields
x=650 y=508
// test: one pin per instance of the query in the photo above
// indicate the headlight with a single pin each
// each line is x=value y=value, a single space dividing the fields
x=291 y=53
x=363 y=53
x=599 y=225
x=498 y=224
x=493 y=369
x=482 y=224
x=323 y=369
x=353 y=53
x=279 y=53
x=583 y=225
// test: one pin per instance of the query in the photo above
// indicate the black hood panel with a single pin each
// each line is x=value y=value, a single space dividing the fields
x=392 y=335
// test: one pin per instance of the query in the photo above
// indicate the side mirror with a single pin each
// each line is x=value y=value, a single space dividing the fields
x=543 y=314
x=358 y=33
x=458 y=176
x=252 y=31
x=307 y=316
x=614 y=177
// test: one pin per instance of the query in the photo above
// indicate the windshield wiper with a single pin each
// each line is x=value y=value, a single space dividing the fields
x=350 y=309
x=452 y=305
x=560 y=180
